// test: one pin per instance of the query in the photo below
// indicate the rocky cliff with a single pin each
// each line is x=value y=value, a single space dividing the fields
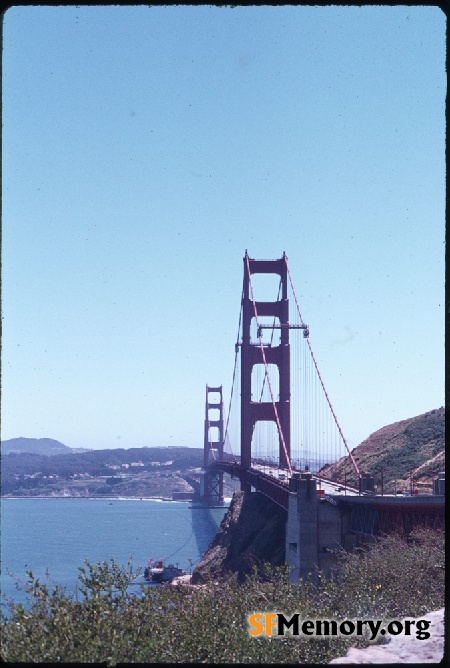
x=253 y=531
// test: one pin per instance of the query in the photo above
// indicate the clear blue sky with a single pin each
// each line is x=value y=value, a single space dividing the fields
x=145 y=148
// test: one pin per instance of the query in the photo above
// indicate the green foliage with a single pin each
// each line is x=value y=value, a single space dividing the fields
x=208 y=624
x=393 y=579
x=423 y=438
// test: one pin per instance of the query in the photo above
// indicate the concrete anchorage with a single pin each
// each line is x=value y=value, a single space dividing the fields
x=313 y=530
x=319 y=525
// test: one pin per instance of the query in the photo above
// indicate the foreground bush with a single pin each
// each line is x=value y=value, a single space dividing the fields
x=209 y=624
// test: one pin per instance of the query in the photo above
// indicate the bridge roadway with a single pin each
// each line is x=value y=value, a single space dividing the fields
x=274 y=482
x=321 y=515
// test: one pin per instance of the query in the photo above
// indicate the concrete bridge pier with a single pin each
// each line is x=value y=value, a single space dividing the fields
x=313 y=530
x=211 y=489
x=302 y=526
x=319 y=524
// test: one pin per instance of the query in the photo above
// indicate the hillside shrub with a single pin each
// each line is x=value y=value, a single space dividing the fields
x=208 y=624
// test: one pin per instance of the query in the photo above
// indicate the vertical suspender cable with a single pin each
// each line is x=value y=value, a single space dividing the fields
x=234 y=376
x=355 y=465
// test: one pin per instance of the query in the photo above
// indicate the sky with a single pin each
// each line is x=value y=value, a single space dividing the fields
x=146 y=148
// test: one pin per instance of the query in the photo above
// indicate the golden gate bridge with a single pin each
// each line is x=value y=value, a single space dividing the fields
x=281 y=428
x=280 y=417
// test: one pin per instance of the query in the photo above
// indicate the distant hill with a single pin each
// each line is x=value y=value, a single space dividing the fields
x=415 y=445
x=37 y=446
x=135 y=472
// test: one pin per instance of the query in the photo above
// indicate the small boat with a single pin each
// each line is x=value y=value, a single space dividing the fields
x=157 y=571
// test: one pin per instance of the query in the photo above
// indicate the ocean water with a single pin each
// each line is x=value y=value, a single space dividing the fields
x=57 y=535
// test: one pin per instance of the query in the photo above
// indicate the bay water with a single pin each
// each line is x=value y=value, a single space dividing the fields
x=58 y=535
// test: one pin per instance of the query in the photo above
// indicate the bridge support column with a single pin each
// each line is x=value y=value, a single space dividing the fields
x=314 y=529
x=302 y=527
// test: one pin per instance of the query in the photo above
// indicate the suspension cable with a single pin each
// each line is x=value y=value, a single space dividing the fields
x=280 y=431
x=236 y=352
x=355 y=465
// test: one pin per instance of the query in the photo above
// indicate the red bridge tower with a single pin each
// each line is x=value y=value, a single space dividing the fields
x=211 y=489
x=251 y=354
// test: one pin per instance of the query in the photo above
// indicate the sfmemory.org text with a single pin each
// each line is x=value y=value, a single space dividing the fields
x=277 y=624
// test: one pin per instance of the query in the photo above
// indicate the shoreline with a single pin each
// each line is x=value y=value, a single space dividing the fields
x=162 y=499
x=102 y=498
